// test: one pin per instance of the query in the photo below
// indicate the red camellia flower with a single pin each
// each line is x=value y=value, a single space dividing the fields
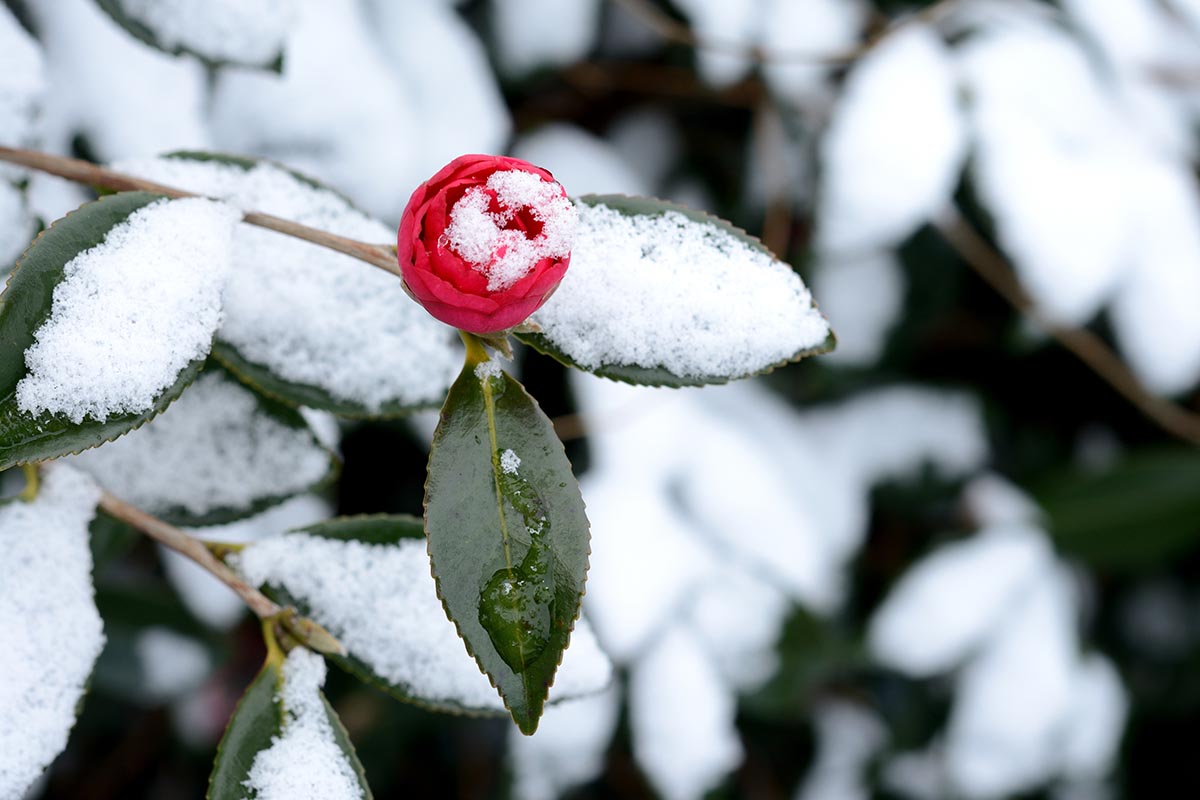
x=485 y=241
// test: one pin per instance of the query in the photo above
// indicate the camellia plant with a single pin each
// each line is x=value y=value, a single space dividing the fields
x=205 y=291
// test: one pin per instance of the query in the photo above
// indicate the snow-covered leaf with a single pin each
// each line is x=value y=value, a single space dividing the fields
x=220 y=453
x=285 y=741
x=17 y=225
x=367 y=580
x=305 y=324
x=248 y=33
x=661 y=295
x=734 y=21
x=508 y=537
x=814 y=27
x=864 y=296
x=53 y=633
x=895 y=145
x=108 y=317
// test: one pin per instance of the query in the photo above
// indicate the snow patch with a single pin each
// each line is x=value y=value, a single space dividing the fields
x=242 y=31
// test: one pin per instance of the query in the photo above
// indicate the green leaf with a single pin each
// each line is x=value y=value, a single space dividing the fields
x=261 y=377
x=508 y=542
x=257 y=721
x=1130 y=516
x=144 y=33
x=26 y=304
x=544 y=339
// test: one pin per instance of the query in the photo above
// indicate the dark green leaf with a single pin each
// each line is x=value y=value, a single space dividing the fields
x=257 y=721
x=1132 y=515
x=377 y=530
x=509 y=547
x=26 y=304
x=139 y=30
x=660 y=375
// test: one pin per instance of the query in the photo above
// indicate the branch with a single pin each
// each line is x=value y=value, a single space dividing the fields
x=990 y=265
x=673 y=30
x=74 y=169
x=166 y=534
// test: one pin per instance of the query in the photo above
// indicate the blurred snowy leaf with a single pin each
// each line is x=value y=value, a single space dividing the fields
x=126 y=98
x=543 y=33
x=681 y=716
x=247 y=33
x=946 y=604
x=794 y=28
x=895 y=146
x=568 y=748
x=727 y=21
x=863 y=297
x=22 y=86
x=581 y=162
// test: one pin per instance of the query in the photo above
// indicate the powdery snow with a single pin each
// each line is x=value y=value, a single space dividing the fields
x=309 y=314
x=665 y=291
x=131 y=313
x=892 y=155
x=214 y=448
x=478 y=235
x=380 y=602
x=241 y=31
x=53 y=633
x=304 y=762
x=510 y=462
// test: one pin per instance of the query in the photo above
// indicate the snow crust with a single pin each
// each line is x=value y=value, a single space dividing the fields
x=665 y=291
x=241 y=31
x=214 y=448
x=131 y=313
x=53 y=632
x=304 y=762
x=309 y=314
x=381 y=603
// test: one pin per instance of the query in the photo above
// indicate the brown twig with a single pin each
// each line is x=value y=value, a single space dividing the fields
x=673 y=30
x=74 y=169
x=990 y=265
x=166 y=534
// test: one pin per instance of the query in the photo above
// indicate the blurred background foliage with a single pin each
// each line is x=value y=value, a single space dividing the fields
x=1120 y=497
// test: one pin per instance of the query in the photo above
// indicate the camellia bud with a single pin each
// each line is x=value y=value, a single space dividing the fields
x=485 y=241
